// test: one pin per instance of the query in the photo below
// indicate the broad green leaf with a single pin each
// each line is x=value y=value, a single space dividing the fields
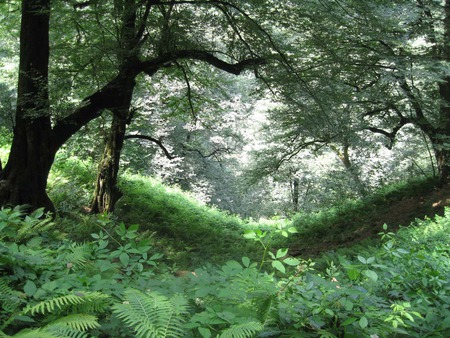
x=205 y=332
x=249 y=234
x=353 y=274
x=362 y=259
x=29 y=288
x=371 y=274
x=291 y=261
x=246 y=261
x=292 y=230
x=279 y=266
x=363 y=322
x=124 y=258
x=446 y=323
x=281 y=253
x=349 y=321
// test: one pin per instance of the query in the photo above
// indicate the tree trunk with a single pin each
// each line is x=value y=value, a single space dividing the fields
x=24 y=178
x=344 y=157
x=295 y=192
x=106 y=192
x=441 y=141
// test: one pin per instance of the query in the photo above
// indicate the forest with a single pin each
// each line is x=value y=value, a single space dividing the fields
x=224 y=168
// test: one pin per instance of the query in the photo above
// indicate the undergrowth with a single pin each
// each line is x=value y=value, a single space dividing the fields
x=115 y=284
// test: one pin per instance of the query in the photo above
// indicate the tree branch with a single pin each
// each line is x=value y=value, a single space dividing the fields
x=154 y=140
x=167 y=59
x=109 y=95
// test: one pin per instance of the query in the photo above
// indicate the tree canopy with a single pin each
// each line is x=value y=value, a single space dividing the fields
x=342 y=77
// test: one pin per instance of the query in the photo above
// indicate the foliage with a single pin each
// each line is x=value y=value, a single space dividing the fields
x=151 y=314
x=68 y=289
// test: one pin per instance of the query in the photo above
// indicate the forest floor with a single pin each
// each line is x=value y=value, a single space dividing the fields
x=363 y=228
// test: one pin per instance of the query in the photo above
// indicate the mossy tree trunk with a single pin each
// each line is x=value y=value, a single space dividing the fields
x=24 y=178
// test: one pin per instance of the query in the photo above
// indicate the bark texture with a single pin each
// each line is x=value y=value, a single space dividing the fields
x=24 y=178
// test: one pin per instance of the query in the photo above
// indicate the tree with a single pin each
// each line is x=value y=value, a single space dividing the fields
x=168 y=39
x=357 y=69
x=38 y=134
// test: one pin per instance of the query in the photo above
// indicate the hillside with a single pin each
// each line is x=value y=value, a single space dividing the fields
x=396 y=209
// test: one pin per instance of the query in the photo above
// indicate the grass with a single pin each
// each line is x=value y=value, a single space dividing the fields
x=190 y=233
x=354 y=221
x=186 y=231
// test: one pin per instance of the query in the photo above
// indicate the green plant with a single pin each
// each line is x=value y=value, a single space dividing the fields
x=151 y=314
x=279 y=259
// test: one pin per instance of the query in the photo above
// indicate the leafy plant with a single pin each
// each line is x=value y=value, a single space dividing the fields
x=152 y=314
x=278 y=259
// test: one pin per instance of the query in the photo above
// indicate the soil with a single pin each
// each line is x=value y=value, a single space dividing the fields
x=396 y=214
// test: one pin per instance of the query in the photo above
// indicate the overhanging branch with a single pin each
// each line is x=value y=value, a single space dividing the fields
x=154 y=140
x=167 y=59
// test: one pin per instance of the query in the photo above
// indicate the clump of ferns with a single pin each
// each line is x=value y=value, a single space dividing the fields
x=71 y=315
x=19 y=227
x=153 y=315
x=11 y=302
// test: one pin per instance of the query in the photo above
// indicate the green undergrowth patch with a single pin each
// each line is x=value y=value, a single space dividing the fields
x=353 y=220
x=189 y=231
x=71 y=183
x=115 y=283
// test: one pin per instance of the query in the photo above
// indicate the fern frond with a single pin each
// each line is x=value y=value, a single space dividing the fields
x=33 y=225
x=62 y=302
x=67 y=332
x=152 y=314
x=244 y=330
x=34 y=333
x=266 y=309
x=77 y=254
x=10 y=299
x=78 y=321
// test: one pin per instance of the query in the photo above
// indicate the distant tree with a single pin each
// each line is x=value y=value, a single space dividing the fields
x=358 y=68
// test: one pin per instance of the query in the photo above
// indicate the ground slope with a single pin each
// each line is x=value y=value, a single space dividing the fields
x=366 y=225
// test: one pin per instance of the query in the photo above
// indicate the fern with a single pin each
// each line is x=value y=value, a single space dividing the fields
x=34 y=333
x=78 y=300
x=77 y=254
x=152 y=314
x=78 y=321
x=9 y=298
x=33 y=225
x=266 y=308
x=244 y=330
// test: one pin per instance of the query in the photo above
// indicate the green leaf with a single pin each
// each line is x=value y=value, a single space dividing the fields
x=349 y=321
x=446 y=323
x=124 y=258
x=279 y=266
x=205 y=332
x=292 y=230
x=133 y=227
x=353 y=274
x=246 y=261
x=291 y=261
x=29 y=288
x=363 y=322
x=249 y=234
x=281 y=253
x=362 y=259
x=371 y=274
